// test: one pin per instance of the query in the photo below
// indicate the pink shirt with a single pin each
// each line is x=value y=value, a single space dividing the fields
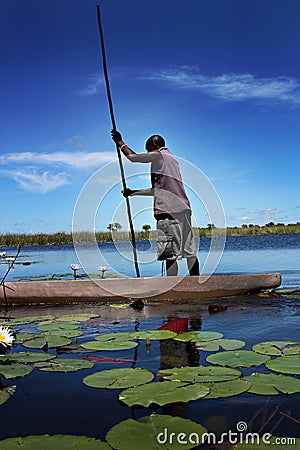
x=169 y=192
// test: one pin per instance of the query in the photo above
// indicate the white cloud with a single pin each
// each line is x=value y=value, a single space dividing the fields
x=231 y=86
x=262 y=215
x=33 y=172
x=77 y=160
x=32 y=181
x=245 y=218
x=93 y=87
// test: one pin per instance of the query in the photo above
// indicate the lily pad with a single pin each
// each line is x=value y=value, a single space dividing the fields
x=281 y=443
x=57 y=327
x=50 y=340
x=15 y=370
x=272 y=384
x=200 y=374
x=238 y=358
x=37 y=342
x=23 y=337
x=64 y=365
x=111 y=341
x=272 y=348
x=118 y=378
x=163 y=393
x=289 y=351
x=120 y=305
x=198 y=336
x=227 y=388
x=4 y=396
x=215 y=345
x=77 y=317
x=67 y=333
x=153 y=335
x=154 y=433
x=29 y=357
x=117 y=345
x=26 y=320
x=120 y=336
x=285 y=364
x=59 y=441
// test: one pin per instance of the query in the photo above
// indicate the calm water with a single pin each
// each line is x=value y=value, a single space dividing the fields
x=244 y=254
x=56 y=403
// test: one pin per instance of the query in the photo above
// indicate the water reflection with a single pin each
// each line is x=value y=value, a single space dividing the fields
x=179 y=354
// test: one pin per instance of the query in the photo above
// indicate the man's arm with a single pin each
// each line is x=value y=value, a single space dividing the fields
x=131 y=192
x=130 y=154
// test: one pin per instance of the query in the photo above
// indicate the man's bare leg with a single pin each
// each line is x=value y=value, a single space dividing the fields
x=193 y=265
x=172 y=267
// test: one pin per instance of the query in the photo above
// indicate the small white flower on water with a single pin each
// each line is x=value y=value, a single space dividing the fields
x=6 y=336
x=75 y=267
x=102 y=269
x=10 y=389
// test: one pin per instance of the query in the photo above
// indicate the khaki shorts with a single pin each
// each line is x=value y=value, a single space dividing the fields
x=174 y=237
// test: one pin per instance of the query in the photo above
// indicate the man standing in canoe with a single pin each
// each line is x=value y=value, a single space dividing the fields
x=172 y=209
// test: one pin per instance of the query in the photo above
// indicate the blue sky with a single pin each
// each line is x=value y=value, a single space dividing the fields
x=219 y=80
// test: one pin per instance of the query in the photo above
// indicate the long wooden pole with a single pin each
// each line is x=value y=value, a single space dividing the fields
x=113 y=121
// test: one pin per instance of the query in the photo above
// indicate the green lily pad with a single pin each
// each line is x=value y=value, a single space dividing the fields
x=198 y=336
x=162 y=393
x=153 y=335
x=15 y=370
x=110 y=337
x=111 y=341
x=57 y=327
x=153 y=433
x=290 y=351
x=67 y=333
x=200 y=374
x=22 y=337
x=237 y=358
x=118 y=378
x=272 y=348
x=281 y=443
x=285 y=364
x=272 y=384
x=59 y=441
x=4 y=396
x=64 y=365
x=227 y=388
x=25 y=320
x=77 y=317
x=117 y=345
x=29 y=357
x=47 y=339
x=215 y=345
x=37 y=342
x=120 y=305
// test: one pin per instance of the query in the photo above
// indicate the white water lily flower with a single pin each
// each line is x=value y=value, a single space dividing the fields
x=103 y=269
x=75 y=267
x=6 y=336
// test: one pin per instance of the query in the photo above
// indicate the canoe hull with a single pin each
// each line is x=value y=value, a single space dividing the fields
x=120 y=289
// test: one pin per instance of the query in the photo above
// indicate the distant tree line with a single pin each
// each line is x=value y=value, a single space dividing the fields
x=115 y=233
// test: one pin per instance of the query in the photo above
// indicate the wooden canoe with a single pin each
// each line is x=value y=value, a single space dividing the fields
x=126 y=289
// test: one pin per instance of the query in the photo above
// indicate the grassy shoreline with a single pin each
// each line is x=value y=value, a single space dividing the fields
x=13 y=239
